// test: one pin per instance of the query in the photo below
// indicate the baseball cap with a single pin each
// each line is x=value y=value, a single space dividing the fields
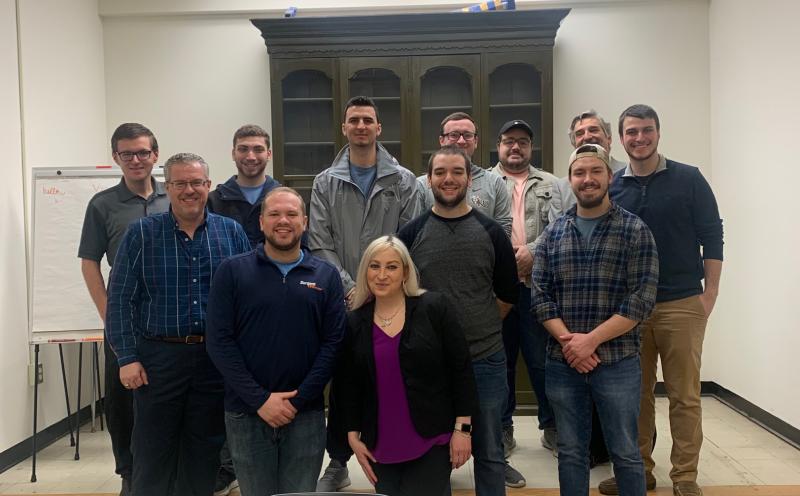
x=517 y=123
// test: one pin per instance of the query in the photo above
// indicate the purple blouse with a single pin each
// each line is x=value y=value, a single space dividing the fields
x=398 y=440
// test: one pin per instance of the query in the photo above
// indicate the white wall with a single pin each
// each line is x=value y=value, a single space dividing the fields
x=611 y=57
x=63 y=123
x=752 y=346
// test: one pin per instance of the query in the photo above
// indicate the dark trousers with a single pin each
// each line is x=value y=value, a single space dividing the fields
x=336 y=438
x=179 y=427
x=118 y=407
x=427 y=475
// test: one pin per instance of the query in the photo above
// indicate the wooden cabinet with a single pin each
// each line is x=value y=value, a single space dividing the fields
x=496 y=66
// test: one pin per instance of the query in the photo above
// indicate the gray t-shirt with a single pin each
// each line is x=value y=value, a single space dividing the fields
x=586 y=226
x=470 y=260
x=108 y=214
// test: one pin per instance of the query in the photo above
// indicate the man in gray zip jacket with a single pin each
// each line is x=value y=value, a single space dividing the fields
x=364 y=194
x=488 y=192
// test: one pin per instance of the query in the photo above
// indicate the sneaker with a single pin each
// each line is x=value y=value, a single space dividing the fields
x=550 y=441
x=334 y=478
x=509 y=443
x=686 y=488
x=513 y=477
x=225 y=484
x=609 y=486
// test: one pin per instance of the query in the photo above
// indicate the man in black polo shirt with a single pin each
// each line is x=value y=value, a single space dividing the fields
x=135 y=150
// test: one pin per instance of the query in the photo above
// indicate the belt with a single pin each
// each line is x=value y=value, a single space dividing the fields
x=190 y=339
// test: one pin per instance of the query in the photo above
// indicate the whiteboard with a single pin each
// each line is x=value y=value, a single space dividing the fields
x=61 y=309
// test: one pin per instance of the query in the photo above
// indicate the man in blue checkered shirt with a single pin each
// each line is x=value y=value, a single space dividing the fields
x=594 y=280
x=156 y=321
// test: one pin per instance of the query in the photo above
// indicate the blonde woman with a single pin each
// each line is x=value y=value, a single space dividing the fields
x=406 y=383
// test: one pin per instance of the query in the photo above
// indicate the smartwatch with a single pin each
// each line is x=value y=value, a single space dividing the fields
x=463 y=427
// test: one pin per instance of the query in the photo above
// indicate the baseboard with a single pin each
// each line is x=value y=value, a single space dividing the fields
x=44 y=438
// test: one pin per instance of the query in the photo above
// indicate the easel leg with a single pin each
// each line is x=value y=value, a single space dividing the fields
x=93 y=358
x=100 y=399
x=35 y=407
x=78 y=404
x=66 y=395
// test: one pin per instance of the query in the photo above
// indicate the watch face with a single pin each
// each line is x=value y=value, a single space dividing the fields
x=466 y=428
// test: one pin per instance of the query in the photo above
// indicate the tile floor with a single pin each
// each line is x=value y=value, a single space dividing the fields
x=736 y=451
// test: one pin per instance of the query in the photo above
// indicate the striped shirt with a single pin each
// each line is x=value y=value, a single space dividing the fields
x=585 y=282
x=161 y=279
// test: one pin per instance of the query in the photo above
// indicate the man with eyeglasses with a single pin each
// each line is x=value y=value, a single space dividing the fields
x=530 y=190
x=488 y=193
x=135 y=149
x=156 y=326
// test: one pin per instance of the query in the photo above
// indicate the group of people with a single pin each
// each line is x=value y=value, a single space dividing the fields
x=228 y=312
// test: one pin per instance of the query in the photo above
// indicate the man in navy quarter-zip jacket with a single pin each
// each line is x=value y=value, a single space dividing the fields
x=678 y=206
x=276 y=319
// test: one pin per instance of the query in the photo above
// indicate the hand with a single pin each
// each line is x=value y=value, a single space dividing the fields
x=577 y=346
x=587 y=365
x=278 y=411
x=524 y=261
x=348 y=298
x=708 y=300
x=460 y=449
x=363 y=456
x=133 y=376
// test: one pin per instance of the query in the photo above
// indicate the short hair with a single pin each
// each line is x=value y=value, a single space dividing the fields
x=361 y=101
x=132 y=130
x=184 y=158
x=450 y=150
x=251 y=131
x=589 y=114
x=283 y=189
x=639 y=111
x=457 y=116
x=411 y=286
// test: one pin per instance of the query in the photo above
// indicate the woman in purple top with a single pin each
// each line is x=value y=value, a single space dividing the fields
x=407 y=391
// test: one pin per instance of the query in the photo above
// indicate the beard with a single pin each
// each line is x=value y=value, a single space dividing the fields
x=591 y=202
x=449 y=202
x=283 y=246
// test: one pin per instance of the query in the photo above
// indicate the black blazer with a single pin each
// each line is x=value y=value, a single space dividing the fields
x=434 y=361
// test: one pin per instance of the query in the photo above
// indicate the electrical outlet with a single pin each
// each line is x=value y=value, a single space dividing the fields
x=37 y=375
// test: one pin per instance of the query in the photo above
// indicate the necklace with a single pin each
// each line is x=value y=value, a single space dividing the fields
x=387 y=321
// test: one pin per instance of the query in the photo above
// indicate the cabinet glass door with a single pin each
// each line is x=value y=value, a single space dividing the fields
x=515 y=92
x=308 y=140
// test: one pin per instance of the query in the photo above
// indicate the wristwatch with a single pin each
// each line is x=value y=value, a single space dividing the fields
x=463 y=427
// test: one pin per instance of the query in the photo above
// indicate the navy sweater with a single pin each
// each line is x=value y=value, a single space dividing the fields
x=267 y=332
x=680 y=209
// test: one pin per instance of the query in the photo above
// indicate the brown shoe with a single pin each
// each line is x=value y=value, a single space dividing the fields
x=609 y=486
x=686 y=488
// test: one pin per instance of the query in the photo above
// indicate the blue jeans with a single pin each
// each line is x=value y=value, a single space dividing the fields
x=521 y=332
x=614 y=387
x=283 y=460
x=487 y=434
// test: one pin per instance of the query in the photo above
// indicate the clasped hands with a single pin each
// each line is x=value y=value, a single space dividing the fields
x=579 y=351
x=278 y=411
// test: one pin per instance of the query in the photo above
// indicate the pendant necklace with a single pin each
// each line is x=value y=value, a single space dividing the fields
x=387 y=321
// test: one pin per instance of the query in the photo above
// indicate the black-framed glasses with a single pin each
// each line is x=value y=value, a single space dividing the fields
x=455 y=135
x=522 y=142
x=141 y=155
x=196 y=184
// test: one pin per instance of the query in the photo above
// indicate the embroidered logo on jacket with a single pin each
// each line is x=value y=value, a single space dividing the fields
x=311 y=285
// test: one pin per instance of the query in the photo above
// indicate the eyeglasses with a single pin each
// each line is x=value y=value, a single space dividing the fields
x=454 y=135
x=141 y=155
x=522 y=142
x=196 y=184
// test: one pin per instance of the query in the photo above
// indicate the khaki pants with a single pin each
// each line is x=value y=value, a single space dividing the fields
x=674 y=332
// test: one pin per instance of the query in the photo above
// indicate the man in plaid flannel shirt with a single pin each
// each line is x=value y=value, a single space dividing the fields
x=594 y=280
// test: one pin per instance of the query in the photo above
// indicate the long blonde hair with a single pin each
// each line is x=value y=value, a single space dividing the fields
x=411 y=284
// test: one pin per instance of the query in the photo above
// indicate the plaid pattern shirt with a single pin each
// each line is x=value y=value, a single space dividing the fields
x=585 y=283
x=161 y=279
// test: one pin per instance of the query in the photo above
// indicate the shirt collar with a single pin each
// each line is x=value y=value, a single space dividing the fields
x=662 y=166
x=125 y=194
x=175 y=221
